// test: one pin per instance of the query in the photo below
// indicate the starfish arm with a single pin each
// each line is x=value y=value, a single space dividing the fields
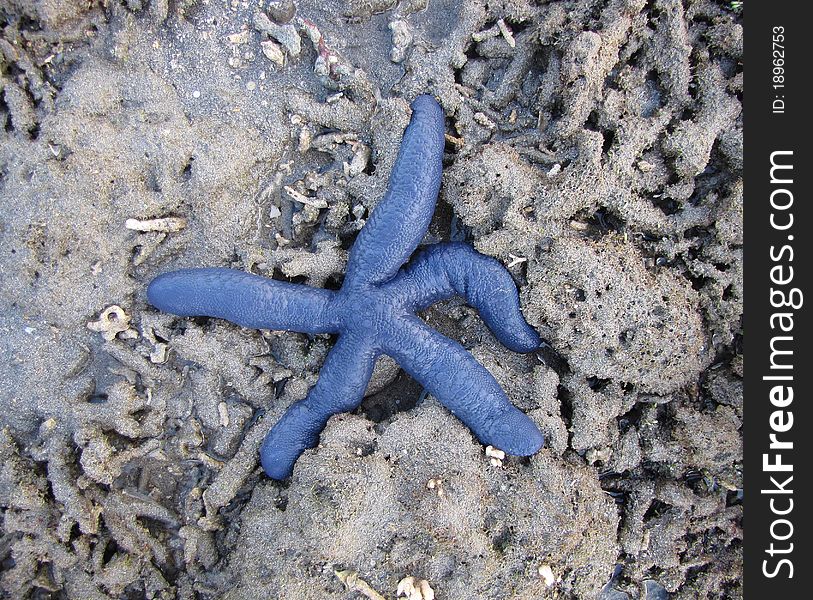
x=400 y=220
x=445 y=270
x=340 y=388
x=242 y=298
x=462 y=385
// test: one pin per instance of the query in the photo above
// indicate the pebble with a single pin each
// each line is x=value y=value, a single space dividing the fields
x=238 y=38
x=401 y=40
x=273 y=52
x=495 y=455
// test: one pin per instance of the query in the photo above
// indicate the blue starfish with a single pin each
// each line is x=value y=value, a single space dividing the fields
x=374 y=311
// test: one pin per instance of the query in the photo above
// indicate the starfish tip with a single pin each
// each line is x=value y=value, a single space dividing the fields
x=527 y=341
x=273 y=467
x=519 y=435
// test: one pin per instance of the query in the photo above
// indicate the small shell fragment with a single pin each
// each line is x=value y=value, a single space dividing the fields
x=436 y=484
x=415 y=589
x=305 y=138
x=163 y=225
x=546 y=573
x=223 y=413
x=361 y=156
x=273 y=52
x=496 y=455
x=159 y=354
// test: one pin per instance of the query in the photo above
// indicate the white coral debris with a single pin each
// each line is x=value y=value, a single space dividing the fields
x=112 y=322
x=162 y=225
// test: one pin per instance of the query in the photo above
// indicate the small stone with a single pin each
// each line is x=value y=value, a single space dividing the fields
x=238 y=38
x=495 y=455
x=401 y=40
x=546 y=573
x=282 y=11
x=273 y=52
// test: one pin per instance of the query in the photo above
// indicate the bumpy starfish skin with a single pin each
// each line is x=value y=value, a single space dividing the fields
x=374 y=311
